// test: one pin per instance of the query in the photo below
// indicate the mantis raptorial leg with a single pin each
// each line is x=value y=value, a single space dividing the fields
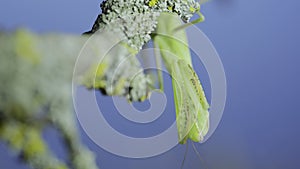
x=157 y=55
x=159 y=68
x=200 y=19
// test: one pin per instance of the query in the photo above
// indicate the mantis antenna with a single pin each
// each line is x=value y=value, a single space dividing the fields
x=185 y=154
x=198 y=154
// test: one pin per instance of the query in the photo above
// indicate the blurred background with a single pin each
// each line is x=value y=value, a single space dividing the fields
x=258 y=43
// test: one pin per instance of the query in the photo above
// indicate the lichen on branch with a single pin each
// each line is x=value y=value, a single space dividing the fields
x=35 y=93
x=137 y=19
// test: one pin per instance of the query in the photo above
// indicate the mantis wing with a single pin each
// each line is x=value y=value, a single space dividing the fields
x=191 y=105
x=197 y=100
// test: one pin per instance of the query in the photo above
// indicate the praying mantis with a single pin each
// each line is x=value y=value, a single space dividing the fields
x=192 y=114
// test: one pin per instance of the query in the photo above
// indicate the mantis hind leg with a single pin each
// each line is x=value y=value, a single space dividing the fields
x=159 y=67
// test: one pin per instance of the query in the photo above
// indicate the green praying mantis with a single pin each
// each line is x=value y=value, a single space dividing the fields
x=192 y=114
